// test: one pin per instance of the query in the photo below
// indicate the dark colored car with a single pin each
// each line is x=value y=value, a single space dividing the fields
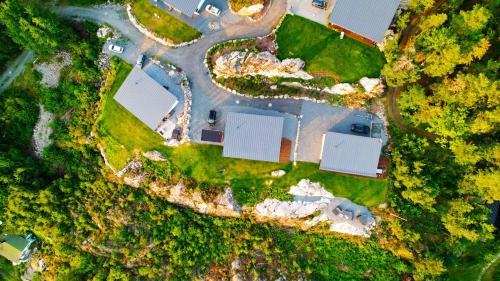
x=212 y=117
x=322 y=4
x=360 y=128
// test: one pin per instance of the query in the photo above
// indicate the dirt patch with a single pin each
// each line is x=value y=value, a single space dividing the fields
x=267 y=43
x=51 y=72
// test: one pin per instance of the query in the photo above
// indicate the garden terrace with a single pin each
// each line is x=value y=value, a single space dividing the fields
x=325 y=52
x=162 y=23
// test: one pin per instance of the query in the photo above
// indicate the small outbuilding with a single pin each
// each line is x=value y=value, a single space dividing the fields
x=254 y=137
x=16 y=248
x=363 y=20
x=147 y=100
x=350 y=154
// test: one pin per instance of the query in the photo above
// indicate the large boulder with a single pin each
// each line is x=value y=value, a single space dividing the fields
x=239 y=64
x=372 y=85
x=250 y=10
x=341 y=89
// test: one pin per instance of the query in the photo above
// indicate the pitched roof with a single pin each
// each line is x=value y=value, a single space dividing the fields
x=11 y=246
x=350 y=154
x=253 y=137
x=145 y=98
x=368 y=18
x=187 y=7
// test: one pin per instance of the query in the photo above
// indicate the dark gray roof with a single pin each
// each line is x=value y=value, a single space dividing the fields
x=254 y=137
x=145 y=98
x=368 y=18
x=350 y=154
x=187 y=7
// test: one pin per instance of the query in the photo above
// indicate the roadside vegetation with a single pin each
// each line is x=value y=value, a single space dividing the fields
x=237 y=5
x=347 y=60
x=162 y=23
x=87 y=2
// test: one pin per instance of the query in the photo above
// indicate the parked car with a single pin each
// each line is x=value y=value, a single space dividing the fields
x=322 y=4
x=212 y=117
x=211 y=9
x=115 y=48
x=140 y=60
x=360 y=128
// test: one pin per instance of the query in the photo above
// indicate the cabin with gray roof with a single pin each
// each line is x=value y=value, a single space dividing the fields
x=363 y=20
x=350 y=154
x=255 y=137
x=186 y=7
x=16 y=248
x=147 y=100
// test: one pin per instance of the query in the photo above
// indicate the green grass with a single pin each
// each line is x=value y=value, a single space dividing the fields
x=122 y=132
x=123 y=135
x=323 y=50
x=248 y=178
x=162 y=23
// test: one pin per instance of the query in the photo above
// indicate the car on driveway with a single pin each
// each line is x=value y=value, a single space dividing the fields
x=140 y=60
x=211 y=9
x=322 y=4
x=115 y=48
x=360 y=128
x=212 y=118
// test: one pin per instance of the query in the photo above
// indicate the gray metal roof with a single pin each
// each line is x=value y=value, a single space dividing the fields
x=187 y=7
x=145 y=98
x=368 y=18
x=253 y=137
x=350 y=154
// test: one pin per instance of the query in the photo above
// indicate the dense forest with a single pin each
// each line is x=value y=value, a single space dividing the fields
x=442 y=67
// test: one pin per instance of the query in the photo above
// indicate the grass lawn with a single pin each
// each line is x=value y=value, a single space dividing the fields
x=123 y=135
x=248 y=178
x=122 y=132
x=323 y=50
x=162 y=23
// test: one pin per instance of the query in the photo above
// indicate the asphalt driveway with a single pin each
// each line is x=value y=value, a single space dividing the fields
x=305 y=9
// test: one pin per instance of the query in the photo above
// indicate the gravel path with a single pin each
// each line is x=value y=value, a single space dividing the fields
x=206 y=95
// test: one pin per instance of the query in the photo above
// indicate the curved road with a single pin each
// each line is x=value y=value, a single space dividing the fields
x=317 y=118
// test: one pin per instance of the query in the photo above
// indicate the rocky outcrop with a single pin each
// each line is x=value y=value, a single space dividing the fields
x=239 y=64
x=42 y=132
x=250 y=10
x=278 y=173
x=51 y=71
x=372 y=85
x=311 y=205
x=154 y=156
x=223 y=205
x=340 y=89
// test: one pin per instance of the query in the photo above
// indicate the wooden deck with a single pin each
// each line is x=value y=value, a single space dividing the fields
x=286 y=148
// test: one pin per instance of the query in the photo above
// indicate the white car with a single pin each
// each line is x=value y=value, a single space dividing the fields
x=213 y=10
x=115 y=48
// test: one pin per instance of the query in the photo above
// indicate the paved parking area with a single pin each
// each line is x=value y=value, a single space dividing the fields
x=201 y=21
x=318 y=119
x=305 y=9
